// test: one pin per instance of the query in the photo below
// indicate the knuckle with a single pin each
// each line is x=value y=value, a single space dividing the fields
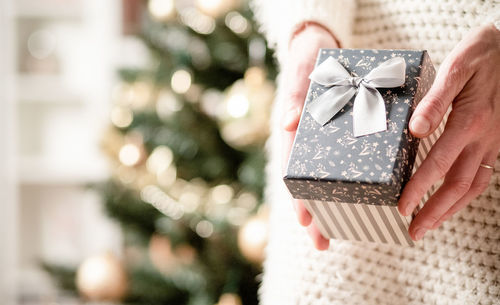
x=431 y=220
x=457 y=71
x=461 y=186
x=478 y=188
x=440 y=163
x=436 y=106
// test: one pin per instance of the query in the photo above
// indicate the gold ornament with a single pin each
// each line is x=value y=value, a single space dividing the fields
x=165 y=258
x=229 y=299
x=160 y=253
x=245 y=119
x=102 y=278
x=252 y=237
x=185 y=254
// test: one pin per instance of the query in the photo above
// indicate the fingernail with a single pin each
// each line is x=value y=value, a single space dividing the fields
x=419 y=233
x=420 y=125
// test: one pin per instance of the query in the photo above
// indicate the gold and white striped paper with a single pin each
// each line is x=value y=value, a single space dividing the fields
x=372 y=223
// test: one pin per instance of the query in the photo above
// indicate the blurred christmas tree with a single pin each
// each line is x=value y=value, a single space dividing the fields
x=186 y=143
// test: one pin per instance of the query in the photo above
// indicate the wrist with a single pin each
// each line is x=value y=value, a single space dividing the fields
x=314 y=30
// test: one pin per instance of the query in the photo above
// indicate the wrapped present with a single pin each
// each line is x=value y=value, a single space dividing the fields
x=353 y=152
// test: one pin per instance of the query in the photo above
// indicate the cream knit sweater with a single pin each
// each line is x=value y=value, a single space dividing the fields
x=459 y=263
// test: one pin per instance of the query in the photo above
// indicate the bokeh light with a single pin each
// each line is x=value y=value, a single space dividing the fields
x=238 y=105
x=222 y=193
x=159 y=160
x=129 y=154
x=204 y=228
x=237 y=23
x=181 y=81
x=161 y=9
x=121 y=117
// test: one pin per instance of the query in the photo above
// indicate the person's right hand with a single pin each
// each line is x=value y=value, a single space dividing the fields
x=302 y=52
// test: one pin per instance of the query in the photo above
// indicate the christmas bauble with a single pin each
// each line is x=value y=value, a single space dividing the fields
x=252 y=237
x=160 y=253
x=245 y=115
x=102 y=278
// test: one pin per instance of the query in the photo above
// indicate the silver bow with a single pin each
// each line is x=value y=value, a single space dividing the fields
x=369 y=107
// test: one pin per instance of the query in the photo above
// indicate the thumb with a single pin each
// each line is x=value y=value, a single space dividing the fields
x=429 y=113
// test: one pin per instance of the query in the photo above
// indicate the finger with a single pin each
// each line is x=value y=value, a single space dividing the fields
x=456 y=184
x=291 y=118
x=297 y=84
x=302 y=213
x=437 y=163
x=320 y=242
x=479 y=185
x=287 y=138
x=450 y=80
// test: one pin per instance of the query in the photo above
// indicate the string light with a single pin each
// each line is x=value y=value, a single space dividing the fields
x=197 y=21
x=121 y=117
x=162 y=202
x=167 y=104
x=222 y=194
x=181 y=81
x=211 y=102
x=237 y=105
x=161 y=9
x=160 y=159
x=167 y=177
x=247 y=201
x=204 y=228
x=237 y=23
x=237 y=216
x=190 y=200
x=129 y=154
x=215 y=8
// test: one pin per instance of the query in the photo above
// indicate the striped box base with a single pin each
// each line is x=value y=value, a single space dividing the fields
x=371 y=223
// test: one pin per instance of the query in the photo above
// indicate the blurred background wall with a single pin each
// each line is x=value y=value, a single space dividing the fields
x=59 y=67
x=132 y=164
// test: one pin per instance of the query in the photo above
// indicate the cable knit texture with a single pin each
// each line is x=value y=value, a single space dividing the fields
x=459 y=263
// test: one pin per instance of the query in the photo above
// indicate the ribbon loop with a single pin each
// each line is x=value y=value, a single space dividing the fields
x=369 y=107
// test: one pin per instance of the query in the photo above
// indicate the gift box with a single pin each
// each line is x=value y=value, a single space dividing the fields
x=353 y=152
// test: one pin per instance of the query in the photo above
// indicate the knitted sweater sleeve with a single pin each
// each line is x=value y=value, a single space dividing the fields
x=279 y=18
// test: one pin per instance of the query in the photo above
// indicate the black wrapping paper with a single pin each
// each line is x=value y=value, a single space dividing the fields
x=328 y=163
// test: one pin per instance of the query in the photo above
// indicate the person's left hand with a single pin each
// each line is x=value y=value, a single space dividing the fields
x=469 y=79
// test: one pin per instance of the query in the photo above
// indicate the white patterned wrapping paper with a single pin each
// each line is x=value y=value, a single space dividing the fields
x=371 y=223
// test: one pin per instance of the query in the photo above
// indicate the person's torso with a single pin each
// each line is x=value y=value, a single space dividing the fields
x=433 y=25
